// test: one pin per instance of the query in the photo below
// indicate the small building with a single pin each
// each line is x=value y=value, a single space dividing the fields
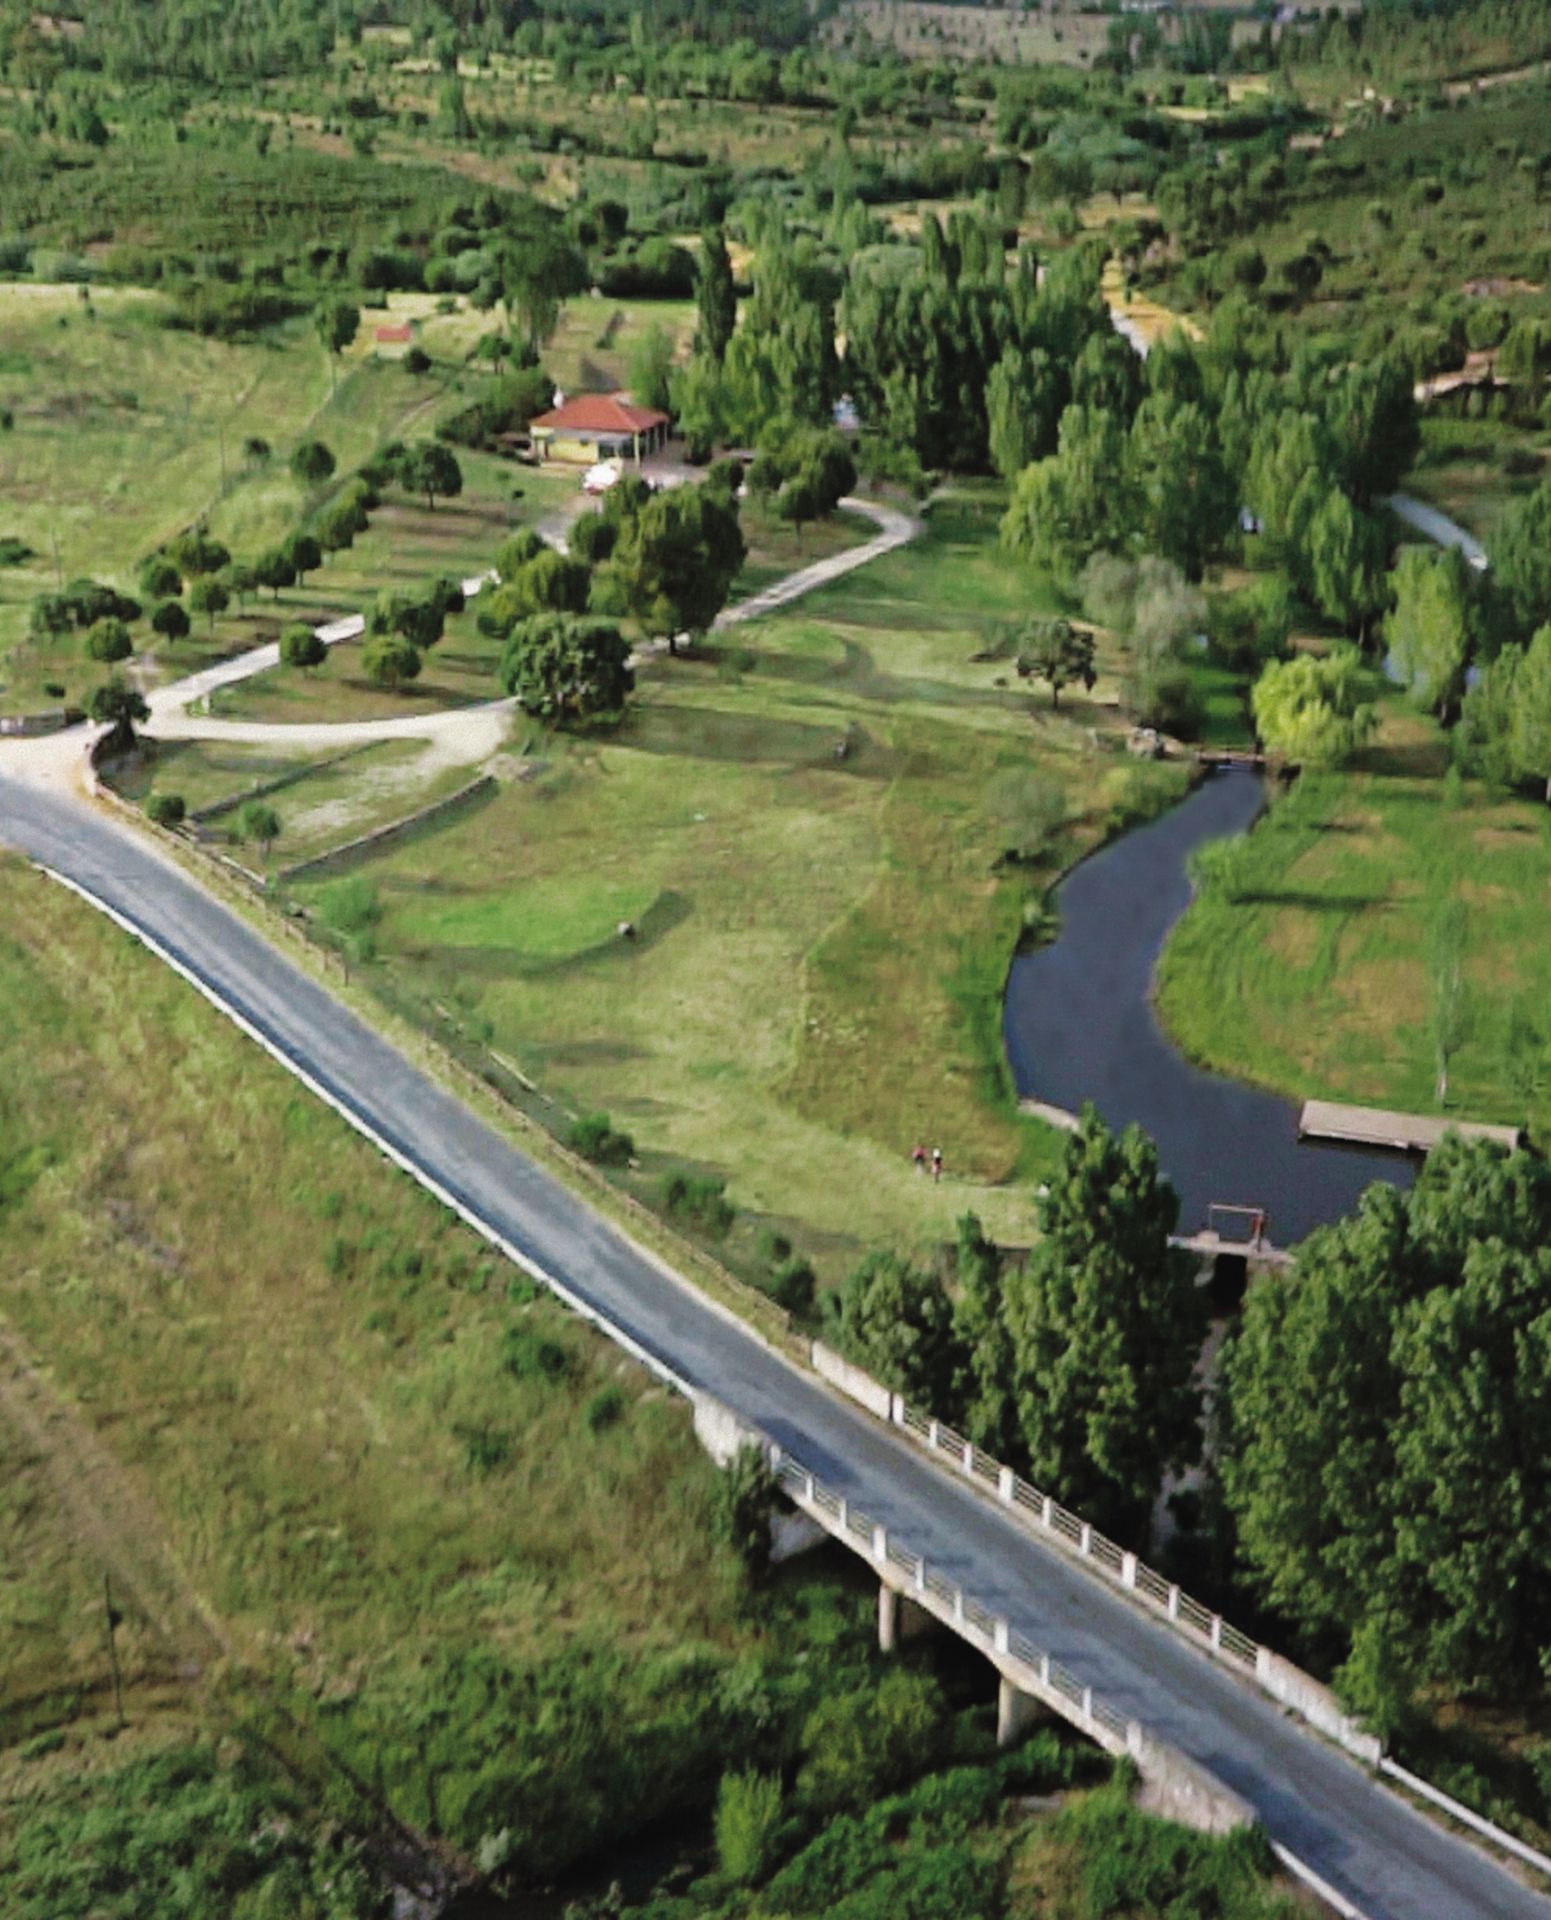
x=594 y=427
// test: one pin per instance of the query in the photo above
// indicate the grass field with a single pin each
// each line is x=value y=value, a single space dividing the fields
x=815 y=978
x=1316 y=979
x=277 y=1389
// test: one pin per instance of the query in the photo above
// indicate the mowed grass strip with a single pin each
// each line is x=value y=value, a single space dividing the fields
x=1316 y=980
x=303 y=1362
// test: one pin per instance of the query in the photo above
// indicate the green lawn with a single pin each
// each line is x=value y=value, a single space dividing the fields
x=1316 y=980
x=819 y=942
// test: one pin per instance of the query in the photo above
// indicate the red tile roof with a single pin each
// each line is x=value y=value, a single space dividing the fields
x=401 y=331
x=600 y=413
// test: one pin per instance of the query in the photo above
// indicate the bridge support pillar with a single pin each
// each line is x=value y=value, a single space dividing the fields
x=1016 y=1712
x=899 y=1618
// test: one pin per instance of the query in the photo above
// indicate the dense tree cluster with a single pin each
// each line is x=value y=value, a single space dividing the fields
x=1387 y=1409
x=1076 y=1366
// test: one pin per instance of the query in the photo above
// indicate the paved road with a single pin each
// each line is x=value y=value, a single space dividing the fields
x=1367 y=1844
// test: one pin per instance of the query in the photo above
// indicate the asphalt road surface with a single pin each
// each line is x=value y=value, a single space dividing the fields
x=1370 y=1846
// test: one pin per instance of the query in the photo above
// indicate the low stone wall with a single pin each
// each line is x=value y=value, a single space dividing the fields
x=26 y=726
x=386 y=836
x=262 y=788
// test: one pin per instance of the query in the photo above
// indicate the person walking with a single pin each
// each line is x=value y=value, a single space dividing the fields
x=936 y=1163
x=918 y=1159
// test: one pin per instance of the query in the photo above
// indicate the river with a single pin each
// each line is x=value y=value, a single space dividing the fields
x=1078 y=1024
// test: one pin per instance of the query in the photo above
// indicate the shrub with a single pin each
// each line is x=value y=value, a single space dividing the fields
x=792 y=1285
x=417 y=360
x=14 y=551
x=527 y=1354
x=864 y=1742
x=166 y=809
x=350 y=907
x=748 y=1817
x=605 y=1409
x=699 y=1200
x=740 y=1515
x=595 y=1139
x=485 y=1448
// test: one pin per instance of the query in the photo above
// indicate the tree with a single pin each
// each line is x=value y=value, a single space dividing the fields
x=1428 y=633
x=550 y=582
x=743 y=1504
x=108 y=641
x=338 y=524
x=258 y=825
x=159 y=578
x=896 y=1320
x=301 y=647
x=170 y=620
x=1372 y=412
x=1069 y=507
x=1309 y=712
x=562 y=669
x=677 y=559
x=239 y=581
x=1187 y=503
x=651 y=368
x=209 y=597
x=118 y=706
x=1059 y=654
x=421 y=618
x=388 y=660
x=1521 y=557
x=312 y=462
x=336 y=323
x=1106 y=1327
x=983 y=1398
x=1529 y=725
x=1346 y=550
x=274 y=570
x=433 y=470
x=1025 y=396
x=304 y=553
x=1399 y=1505
x=196 y=553
x=715 y=295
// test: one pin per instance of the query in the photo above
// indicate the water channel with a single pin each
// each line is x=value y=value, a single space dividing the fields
x=1078 y=1024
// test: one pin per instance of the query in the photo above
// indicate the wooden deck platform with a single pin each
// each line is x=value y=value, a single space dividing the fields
x=1406 y=1132
x=1259 y=1253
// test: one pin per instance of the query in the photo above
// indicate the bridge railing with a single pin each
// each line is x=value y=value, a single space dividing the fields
x=1029 y=1667
x=1045 y=1515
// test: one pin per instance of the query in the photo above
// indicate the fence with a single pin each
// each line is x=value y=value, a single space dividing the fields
x=1189 y=1791
x=1279 y=1678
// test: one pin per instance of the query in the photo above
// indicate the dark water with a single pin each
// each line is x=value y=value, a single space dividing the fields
x=1078 y=1025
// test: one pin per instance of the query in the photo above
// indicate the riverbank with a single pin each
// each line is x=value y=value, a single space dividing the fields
x=1080 y=1026
x=1313 y=974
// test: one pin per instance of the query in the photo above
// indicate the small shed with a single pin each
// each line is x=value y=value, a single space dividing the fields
x=593 y=427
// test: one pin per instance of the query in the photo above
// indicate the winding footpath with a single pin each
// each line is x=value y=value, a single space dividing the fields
x=1373 y=1849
